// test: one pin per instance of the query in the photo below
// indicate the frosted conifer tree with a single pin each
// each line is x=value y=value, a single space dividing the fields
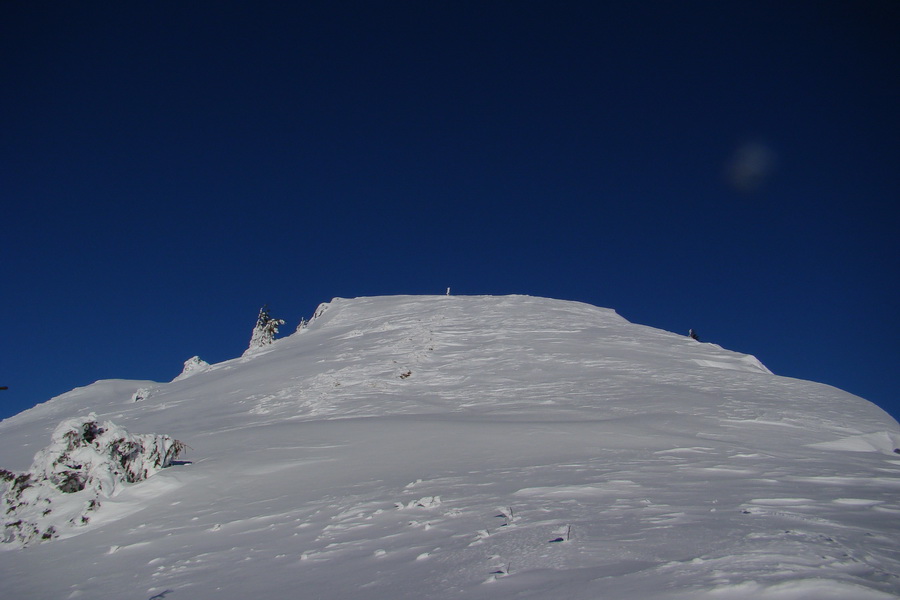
x=87 y=461
x=265 y=330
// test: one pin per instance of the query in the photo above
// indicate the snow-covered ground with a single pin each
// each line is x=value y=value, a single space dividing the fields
x=479 y=447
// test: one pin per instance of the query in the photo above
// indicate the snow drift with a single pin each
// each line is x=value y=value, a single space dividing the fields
x=481 y=447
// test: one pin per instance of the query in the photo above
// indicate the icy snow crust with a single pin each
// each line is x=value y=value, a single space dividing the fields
x=481 y=447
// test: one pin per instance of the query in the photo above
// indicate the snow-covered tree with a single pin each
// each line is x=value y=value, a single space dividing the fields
x=87 y=461
x=265 y=330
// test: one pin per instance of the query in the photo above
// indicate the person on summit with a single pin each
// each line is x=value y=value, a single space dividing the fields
x=693 y=335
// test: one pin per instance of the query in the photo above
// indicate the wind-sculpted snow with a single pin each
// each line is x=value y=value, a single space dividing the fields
x=482 y=447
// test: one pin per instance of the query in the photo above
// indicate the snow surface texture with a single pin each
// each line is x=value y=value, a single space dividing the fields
x=481 y=447
x=85 y=462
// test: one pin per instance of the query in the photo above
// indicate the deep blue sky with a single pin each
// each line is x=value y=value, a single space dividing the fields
x=168 y=167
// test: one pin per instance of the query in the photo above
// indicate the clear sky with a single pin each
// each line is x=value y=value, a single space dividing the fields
x=168 y=167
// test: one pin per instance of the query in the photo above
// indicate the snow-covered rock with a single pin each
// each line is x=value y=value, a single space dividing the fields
x=141 y=394
x=192 y=366
x=538 y=449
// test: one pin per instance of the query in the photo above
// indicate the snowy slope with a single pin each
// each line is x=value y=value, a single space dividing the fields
x=480 y=447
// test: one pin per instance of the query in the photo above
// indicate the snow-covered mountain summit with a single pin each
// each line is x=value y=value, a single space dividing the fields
x=479 y=447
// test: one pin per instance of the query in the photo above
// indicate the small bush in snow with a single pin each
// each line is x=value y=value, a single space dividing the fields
x=304 y=323
x=85 y=462
x=566 y=531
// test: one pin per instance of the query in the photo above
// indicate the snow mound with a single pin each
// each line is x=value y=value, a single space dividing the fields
x=85 y=462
